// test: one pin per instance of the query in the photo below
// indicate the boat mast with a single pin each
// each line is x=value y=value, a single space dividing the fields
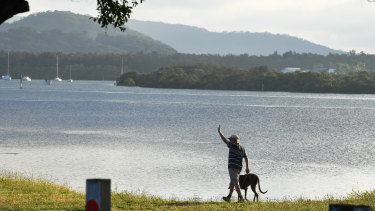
x=21 y=82
x=122 y=65
x=57 y=67
x=8 y=63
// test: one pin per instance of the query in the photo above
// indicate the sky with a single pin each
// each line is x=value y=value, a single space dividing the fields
x=338 y=24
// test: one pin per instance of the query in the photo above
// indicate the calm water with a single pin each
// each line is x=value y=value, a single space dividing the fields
x=164 y=142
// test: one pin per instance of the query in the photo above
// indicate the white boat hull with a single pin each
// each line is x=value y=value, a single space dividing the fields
x=6 y=77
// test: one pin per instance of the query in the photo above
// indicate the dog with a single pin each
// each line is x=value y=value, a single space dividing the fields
x=251 y=180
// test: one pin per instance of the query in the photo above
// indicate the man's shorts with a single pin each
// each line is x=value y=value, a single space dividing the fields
x=234 y=175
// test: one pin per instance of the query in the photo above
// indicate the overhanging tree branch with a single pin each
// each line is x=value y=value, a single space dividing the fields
x=8 y=8
x=115 y=12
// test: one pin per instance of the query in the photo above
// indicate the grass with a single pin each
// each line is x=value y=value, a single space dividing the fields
x=18 y=192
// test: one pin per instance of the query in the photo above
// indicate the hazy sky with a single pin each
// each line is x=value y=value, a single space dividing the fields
x=338 y=24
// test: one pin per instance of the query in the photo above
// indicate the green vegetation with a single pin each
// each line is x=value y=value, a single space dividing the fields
x=21 y=193
x=255 y=79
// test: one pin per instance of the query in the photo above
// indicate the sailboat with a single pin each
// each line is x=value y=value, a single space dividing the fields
x=57 y=70
x=70 y=78
x=7 y=77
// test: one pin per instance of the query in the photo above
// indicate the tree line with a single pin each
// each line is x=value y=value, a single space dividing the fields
x=94 y=66
x=258 y=78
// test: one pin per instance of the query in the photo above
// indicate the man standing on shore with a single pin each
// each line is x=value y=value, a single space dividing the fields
x=236 y=153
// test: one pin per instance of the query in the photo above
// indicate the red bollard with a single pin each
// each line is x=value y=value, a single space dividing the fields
x=98 y=195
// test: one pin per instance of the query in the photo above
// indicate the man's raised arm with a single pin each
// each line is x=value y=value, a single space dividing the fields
x=222 y=136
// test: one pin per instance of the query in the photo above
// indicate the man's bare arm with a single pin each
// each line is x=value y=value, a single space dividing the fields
x=247 y=166
x=222 y=136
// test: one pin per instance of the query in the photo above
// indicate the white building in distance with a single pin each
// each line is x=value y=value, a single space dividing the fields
x=290 y=69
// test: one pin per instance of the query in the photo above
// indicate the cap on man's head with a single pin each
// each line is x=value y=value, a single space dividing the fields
x=235 y=137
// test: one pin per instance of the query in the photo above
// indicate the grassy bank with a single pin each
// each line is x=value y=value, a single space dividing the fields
x=22 y=193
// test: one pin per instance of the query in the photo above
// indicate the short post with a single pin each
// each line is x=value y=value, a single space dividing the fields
x=348 y=207
x=98 y=195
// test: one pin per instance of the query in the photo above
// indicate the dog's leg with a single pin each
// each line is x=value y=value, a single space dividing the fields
x=245 y=193
x=255 y=192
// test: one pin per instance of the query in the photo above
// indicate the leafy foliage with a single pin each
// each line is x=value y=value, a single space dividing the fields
x=115 y=12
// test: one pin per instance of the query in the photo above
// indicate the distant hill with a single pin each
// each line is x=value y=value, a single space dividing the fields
x=189 y=39
x=70 y=33
x=73 y=33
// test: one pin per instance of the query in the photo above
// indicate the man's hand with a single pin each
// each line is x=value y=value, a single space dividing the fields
x=247 y=171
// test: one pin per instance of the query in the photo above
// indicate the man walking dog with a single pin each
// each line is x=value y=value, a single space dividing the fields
x=236 y=153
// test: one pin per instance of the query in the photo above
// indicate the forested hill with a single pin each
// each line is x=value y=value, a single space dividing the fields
x=189 y=39
x=70 y=33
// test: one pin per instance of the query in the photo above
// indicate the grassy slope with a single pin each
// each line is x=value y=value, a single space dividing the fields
x=21 y=193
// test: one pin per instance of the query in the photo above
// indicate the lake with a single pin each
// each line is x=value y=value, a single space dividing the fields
x=164 y=142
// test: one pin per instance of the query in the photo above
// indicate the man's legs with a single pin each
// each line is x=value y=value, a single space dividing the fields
x=234 y=175
x=238 y=190
x=232 y=187
x=240 y=198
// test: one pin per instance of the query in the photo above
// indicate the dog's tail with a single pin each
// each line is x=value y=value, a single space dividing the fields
x=260 y=189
